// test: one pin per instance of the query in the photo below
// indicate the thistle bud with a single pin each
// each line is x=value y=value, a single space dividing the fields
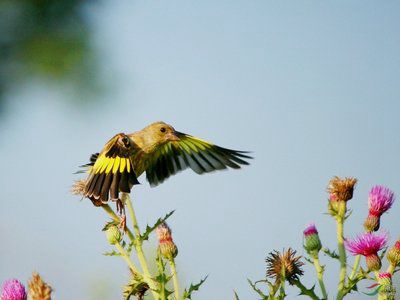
x=113 y=234
x=312 y=243
x=167 y=246
x=393 y=255
x=386 y=289
x=13 y=289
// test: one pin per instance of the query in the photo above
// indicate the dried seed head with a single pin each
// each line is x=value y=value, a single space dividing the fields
x=286 y=264
x=38 y=289
x=341 y=189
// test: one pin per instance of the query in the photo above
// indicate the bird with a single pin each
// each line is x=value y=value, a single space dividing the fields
x=157 y=150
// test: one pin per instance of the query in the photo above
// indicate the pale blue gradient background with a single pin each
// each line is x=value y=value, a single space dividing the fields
x=312 y=88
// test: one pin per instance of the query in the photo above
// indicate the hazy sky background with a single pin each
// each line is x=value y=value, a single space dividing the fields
x=312 y=88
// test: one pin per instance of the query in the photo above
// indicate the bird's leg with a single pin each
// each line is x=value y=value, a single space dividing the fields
x=121 y=212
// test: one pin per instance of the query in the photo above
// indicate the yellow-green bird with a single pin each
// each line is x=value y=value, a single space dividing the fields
x=160 y=151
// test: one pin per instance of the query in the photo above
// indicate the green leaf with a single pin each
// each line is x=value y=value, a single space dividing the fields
x=257 y=290
x=187 y=294
x=330 y=253
x=135 y=287
x=109 y=224
x=236 y=295
x=112 y=253
x=382 y=255
x=150 y=229
x=307 y=292
x=162 y=278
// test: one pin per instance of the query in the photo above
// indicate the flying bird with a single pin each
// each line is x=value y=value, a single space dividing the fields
x=160 y=151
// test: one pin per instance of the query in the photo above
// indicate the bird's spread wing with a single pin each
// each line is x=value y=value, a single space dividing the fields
x=111 y=171
x=201 y=156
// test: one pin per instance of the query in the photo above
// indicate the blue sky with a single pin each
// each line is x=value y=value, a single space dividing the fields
x=310 y=87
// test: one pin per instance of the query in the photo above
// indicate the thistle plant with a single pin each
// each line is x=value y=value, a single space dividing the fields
x=286 y=266
x=127 y=238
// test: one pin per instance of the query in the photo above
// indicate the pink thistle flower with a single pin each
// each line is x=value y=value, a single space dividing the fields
x=379 y=201
x=368 y=245
x=13 y=289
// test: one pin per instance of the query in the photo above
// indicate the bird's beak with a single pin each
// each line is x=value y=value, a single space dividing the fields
x=172 y=137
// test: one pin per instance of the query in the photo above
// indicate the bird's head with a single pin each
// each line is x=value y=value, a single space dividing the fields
x=161 y=132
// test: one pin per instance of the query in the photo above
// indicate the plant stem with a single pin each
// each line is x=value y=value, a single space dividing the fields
x=126 y=257
x=304 y=291
x=138 y=244
x=175 y=278
x=391 y=269
x=355 y=266
x=320 y=275
x=342 y=253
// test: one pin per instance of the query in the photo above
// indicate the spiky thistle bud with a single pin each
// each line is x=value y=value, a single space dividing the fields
x=380 y=199
x=386 y=288
x=393 y=255
x=112 y=233
x=340 y=191
x=38 y=289
x=13 y=289
x=166 y=244
x=285 y=264
x=312 y=243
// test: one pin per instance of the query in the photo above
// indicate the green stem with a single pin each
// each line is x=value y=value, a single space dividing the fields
x=175 y=278
x=304 y=291
x=342 y=255
x=391 y=269
x=126 y=257
x=355 y=266
x=138 y=244
x=320 y=276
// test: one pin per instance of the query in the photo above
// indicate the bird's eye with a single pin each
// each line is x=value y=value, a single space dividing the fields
x=163 y=129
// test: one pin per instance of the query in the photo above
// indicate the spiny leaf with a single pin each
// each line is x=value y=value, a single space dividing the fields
x=187 y=294
x=135 y=287
x=257 y=290
x=330 y=253
x=307 y=292
x=308 y=260
x=150 y=229
x=112 y=253
x=383 y=253
x=162 y=278
x=109 y=224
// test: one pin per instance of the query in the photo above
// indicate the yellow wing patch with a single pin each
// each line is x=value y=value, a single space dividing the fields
x=111 y=164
